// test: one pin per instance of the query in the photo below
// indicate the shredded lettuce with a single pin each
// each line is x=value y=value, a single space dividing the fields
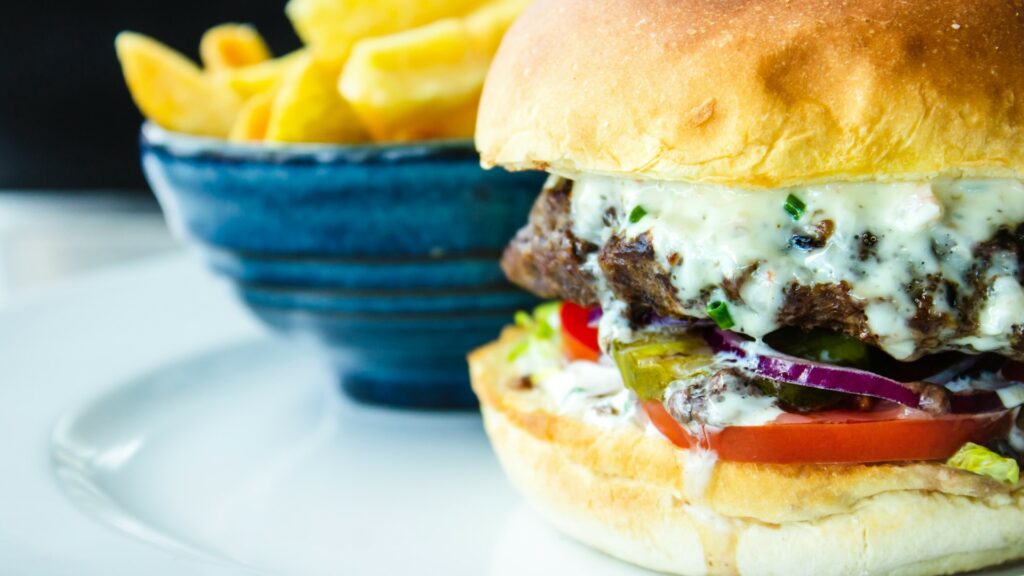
x=539 y=353
x=980 y=460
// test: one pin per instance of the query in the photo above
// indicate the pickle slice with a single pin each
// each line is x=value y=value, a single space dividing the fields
x=822 y=346
x=649 y=366
x=800 y=398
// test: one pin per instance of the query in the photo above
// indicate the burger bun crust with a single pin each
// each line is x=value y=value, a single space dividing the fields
x=759 y=93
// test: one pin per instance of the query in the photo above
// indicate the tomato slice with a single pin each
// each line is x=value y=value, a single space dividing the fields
x=886 y=434
x=579 y=339
x=827 y=438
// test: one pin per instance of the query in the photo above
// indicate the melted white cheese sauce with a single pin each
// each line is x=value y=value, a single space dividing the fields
x=592 y=391
x=596 y=393
x=698 y=468
x=721 y=233
x=732 y=409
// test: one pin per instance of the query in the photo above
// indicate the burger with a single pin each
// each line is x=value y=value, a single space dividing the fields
x=784 y=247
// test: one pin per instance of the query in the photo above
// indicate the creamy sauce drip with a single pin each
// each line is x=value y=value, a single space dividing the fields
x=720 y=234
x=592 y=391
x=698 y=469
x=742 y=405
x=596 y=393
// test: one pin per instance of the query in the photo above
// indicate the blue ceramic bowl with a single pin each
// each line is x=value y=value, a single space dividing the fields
x=388 y=254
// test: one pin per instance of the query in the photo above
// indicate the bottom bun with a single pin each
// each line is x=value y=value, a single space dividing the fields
x=628 y=491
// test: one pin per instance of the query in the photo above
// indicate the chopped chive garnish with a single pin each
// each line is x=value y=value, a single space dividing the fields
x=637 y=214
x=719 y=312
x=794 y=207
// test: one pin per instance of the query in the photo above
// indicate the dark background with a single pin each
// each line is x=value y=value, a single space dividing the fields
x=66 y=119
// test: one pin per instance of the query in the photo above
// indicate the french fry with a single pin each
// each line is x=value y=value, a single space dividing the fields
x=331 y=27
x=170 y=89
x=308 y=107
x=426 y=82
x=249 y=81
x=230 y=46
x=253 y=119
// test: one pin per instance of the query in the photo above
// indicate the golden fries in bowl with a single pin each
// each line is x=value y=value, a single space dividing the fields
x=304 y=178
x=380 y=70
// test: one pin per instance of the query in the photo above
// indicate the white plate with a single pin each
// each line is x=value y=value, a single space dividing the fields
x=148 y=426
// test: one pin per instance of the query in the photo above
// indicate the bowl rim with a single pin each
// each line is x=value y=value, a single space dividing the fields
x=153 y=137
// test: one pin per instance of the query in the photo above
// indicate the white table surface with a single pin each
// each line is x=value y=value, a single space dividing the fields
x=47 y=237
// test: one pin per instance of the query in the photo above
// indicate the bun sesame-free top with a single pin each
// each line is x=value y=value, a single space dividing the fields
x=759 y=93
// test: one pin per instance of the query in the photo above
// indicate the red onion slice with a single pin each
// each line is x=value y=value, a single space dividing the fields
x=837 y=378
x=921 y=395
x=724 y=342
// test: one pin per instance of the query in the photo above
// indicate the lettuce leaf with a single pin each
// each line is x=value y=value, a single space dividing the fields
x=540 y=350
x=980 y=460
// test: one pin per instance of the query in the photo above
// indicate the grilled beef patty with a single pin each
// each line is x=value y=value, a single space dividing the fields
x=549 y=259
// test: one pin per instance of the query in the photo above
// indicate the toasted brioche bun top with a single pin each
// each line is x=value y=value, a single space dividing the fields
x=759 y=93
